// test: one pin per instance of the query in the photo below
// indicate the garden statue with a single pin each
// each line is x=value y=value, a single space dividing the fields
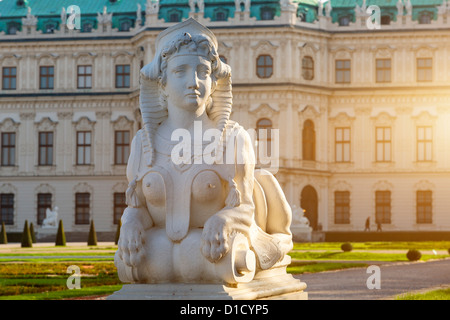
x=300 y=227
x=51 y=218
x=204 y=217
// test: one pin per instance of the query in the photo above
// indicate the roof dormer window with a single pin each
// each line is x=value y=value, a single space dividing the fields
x=22 y=3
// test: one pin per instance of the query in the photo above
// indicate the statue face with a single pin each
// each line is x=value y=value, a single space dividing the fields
x=189 y=82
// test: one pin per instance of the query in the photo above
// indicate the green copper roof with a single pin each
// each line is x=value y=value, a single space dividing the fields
x=50 y=10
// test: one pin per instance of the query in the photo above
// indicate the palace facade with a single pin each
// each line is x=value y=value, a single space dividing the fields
x=362 y=112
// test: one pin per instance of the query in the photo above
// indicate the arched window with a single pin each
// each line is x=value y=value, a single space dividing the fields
x=220 y=14
x=341 y=207
x=264 y=66
x=424 y=206
x=13 y=27
x=425 y=17
x=174 y=16
x=125 y=25
x=50 y=27
x=309 y=141
x=308 y=68
x=344 y=21
x=264 y=138
x=87 y=26
x=267 y=13
x=385 y=20
x=383 y=206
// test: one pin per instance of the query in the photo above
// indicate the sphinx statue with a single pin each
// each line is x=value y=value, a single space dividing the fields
x=219 y=223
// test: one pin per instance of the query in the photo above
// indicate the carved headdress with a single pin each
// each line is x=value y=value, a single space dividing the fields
x=169 y=42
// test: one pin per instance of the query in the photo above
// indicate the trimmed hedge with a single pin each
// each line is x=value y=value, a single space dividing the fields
x=26 y=236
x=60 y=235
x=347 y=247
x=32 y=233
x=119 y=225
x=3 y=236
x=92 y=239
x=413 y=255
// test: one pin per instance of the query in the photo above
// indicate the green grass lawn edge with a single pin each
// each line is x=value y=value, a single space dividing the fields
x=66 y=294
x=439 y=294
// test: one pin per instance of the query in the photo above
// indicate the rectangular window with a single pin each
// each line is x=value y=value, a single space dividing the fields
x=82 y=208
x=342 y=207
x=84 y=77
x=383 y=206
x=7 y=208
x=122 y=147
x=424 y=69
x=383 y=144
x=44 y=202
x=383 y=70
x=424 y=207
x=308 y=68
x=9 y=78
x=119 y=206
x=83 y=147
x=343 y=71
x=342 y=143
x=46 y=77
x=45 y=148
x=123 y=76
x=424 y=144
x=8 y=144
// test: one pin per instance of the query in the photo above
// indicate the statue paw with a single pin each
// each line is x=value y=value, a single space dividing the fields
x=215 y=238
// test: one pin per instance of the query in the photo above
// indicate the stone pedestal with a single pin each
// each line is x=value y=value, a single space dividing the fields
x=47 y=234
x=301 y=233
x=275 y=288
x=272 y=284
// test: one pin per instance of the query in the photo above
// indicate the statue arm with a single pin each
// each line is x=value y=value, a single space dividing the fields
x=136 y=217
x=137 y=209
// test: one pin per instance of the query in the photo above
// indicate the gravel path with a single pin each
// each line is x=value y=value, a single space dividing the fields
x=395 y=279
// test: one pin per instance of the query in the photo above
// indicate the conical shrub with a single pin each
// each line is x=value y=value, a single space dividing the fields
x=92 y=240
x=60 y=235
x=26 y=236
x=32 y=233
x=3 y=236
x=119 y=225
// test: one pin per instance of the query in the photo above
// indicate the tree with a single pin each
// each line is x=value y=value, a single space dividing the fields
x=26 y=236
x=92 y=240
x=119 y=225
x=32 y=233
x=3 y=236
x=60 y=235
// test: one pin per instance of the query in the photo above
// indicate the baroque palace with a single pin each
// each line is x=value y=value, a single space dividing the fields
x=361 y=103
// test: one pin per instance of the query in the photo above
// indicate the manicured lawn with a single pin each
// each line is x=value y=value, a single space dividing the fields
x=47 y=280
x=440 y=294
x=40 y=273
x=421 y=245
x=362 y=256
x=297 y=267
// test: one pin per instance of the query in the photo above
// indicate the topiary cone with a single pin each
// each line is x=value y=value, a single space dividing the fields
x=92 y=240
x=3 y=236
x=60 y=235
x=119 y=225
x=33 y=235
x=26 y=236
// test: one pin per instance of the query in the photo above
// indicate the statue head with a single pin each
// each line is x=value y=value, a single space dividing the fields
x=179 y=42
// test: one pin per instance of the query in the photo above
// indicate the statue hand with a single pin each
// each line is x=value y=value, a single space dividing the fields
x=131 y=243
x=215 y=238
